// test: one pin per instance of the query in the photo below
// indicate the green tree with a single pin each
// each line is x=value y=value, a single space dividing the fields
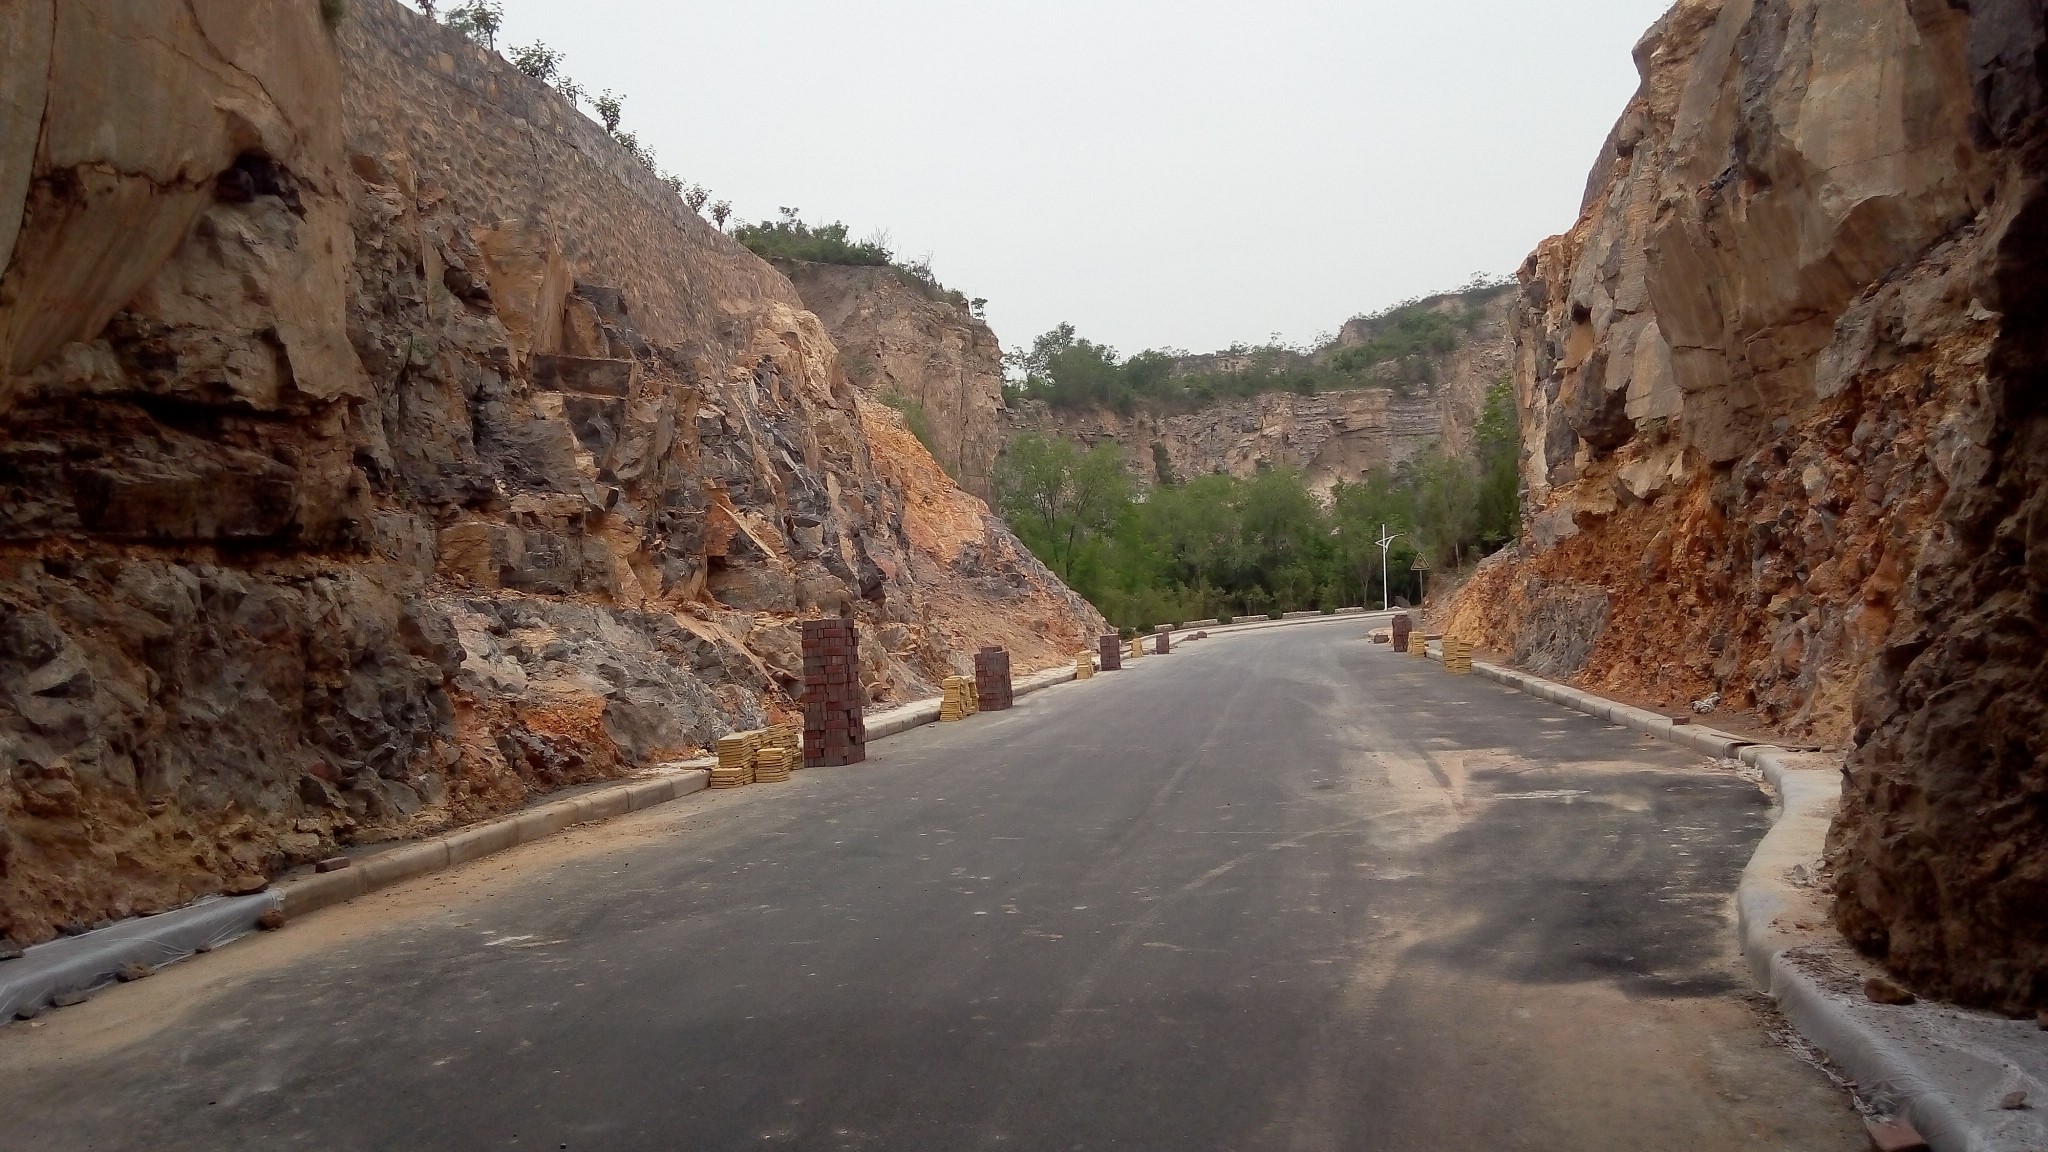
x=1061 y=500
x=1499 y=437
x=477 y=19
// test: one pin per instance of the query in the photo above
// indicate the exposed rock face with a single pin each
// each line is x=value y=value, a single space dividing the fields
x=1771 y=409
x=898 y=339
x=1330 y=437
x=381 y=445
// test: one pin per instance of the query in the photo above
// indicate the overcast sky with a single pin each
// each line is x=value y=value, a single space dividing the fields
x=1162 y=174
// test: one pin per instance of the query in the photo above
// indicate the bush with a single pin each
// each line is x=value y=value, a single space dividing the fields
x=791 y=239
x=1126 y=632
x=1276 y=614
x=1327 y=611
x=333 y=12
x=1225 y=618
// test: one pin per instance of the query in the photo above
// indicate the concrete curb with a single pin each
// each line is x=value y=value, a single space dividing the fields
x=1944 y=1069
x=477 y=841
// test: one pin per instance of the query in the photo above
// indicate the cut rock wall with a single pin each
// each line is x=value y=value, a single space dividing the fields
x=1771 y=410
x=901 y=341
x=380 y=447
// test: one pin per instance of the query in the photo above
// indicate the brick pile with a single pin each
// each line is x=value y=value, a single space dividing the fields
x=992 y=678
x=1112 y=652
x=958 y=703
x=1165 y=643
x=834 y=731
x=1458 y=656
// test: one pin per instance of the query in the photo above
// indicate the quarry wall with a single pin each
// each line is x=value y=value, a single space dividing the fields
x=380 y=447
x=1780 y=448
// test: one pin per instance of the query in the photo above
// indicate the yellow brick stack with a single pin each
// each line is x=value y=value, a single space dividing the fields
x=1418 y=644
x=1137 y=647
x=771 y=765
x=955 y=705
x=1458 y=656
x=1084 y=666
x=736 y=759
x=790 y=736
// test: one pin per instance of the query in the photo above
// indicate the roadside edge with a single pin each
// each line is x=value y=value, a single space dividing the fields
x=1943 y=1068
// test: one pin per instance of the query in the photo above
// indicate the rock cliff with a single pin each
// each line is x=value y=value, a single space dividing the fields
x=1329 y=436
x=1781 y=441
x=380 y=445
x=899 y=339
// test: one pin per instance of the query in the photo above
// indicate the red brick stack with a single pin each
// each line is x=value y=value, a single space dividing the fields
x=1402 y=627
x=1111 y=649
x=1165 y=640
x=992 y=678
x=834 y=732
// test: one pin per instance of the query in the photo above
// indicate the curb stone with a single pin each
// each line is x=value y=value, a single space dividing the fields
x=1943 y=1068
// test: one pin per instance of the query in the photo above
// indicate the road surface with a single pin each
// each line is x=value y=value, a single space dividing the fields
x=1278 y=890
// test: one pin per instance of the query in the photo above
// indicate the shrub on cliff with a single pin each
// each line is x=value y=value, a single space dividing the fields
x=791 y=239
x=477 y=19
x=914 y=418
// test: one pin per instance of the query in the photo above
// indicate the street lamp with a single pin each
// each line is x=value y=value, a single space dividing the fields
x=1386 y=602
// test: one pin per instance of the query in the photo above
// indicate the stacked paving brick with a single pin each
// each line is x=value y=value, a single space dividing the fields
x=772 y=764
x=1165 y=644
x=736 y=760
x=957 y=702
x=1458 y=656
x=834 y=732
x=1402 y=627
x=992 y=678
x=1112 y=652
x=1084 y=666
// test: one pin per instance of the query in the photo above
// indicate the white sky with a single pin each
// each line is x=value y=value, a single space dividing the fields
x=1163 y=175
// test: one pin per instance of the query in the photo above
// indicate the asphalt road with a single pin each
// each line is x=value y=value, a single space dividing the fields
x=1278 y=890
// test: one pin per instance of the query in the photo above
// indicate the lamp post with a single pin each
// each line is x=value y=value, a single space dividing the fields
x=1386 y=594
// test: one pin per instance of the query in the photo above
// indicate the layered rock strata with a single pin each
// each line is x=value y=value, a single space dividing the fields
x=1780 y=445
x=381 y=445
x=1331 y=437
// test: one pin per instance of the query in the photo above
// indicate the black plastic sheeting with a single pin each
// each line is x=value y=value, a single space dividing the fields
x=83 y=963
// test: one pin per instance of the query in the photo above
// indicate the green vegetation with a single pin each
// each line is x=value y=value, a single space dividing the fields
x=1222 y=546
x=914 y=418
x=1400 y=347
x=480 y=21
x=333 y=12
x=789 y=238
x=477 y=19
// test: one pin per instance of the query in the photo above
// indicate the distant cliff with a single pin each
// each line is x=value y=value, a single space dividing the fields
x=1432 y=398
